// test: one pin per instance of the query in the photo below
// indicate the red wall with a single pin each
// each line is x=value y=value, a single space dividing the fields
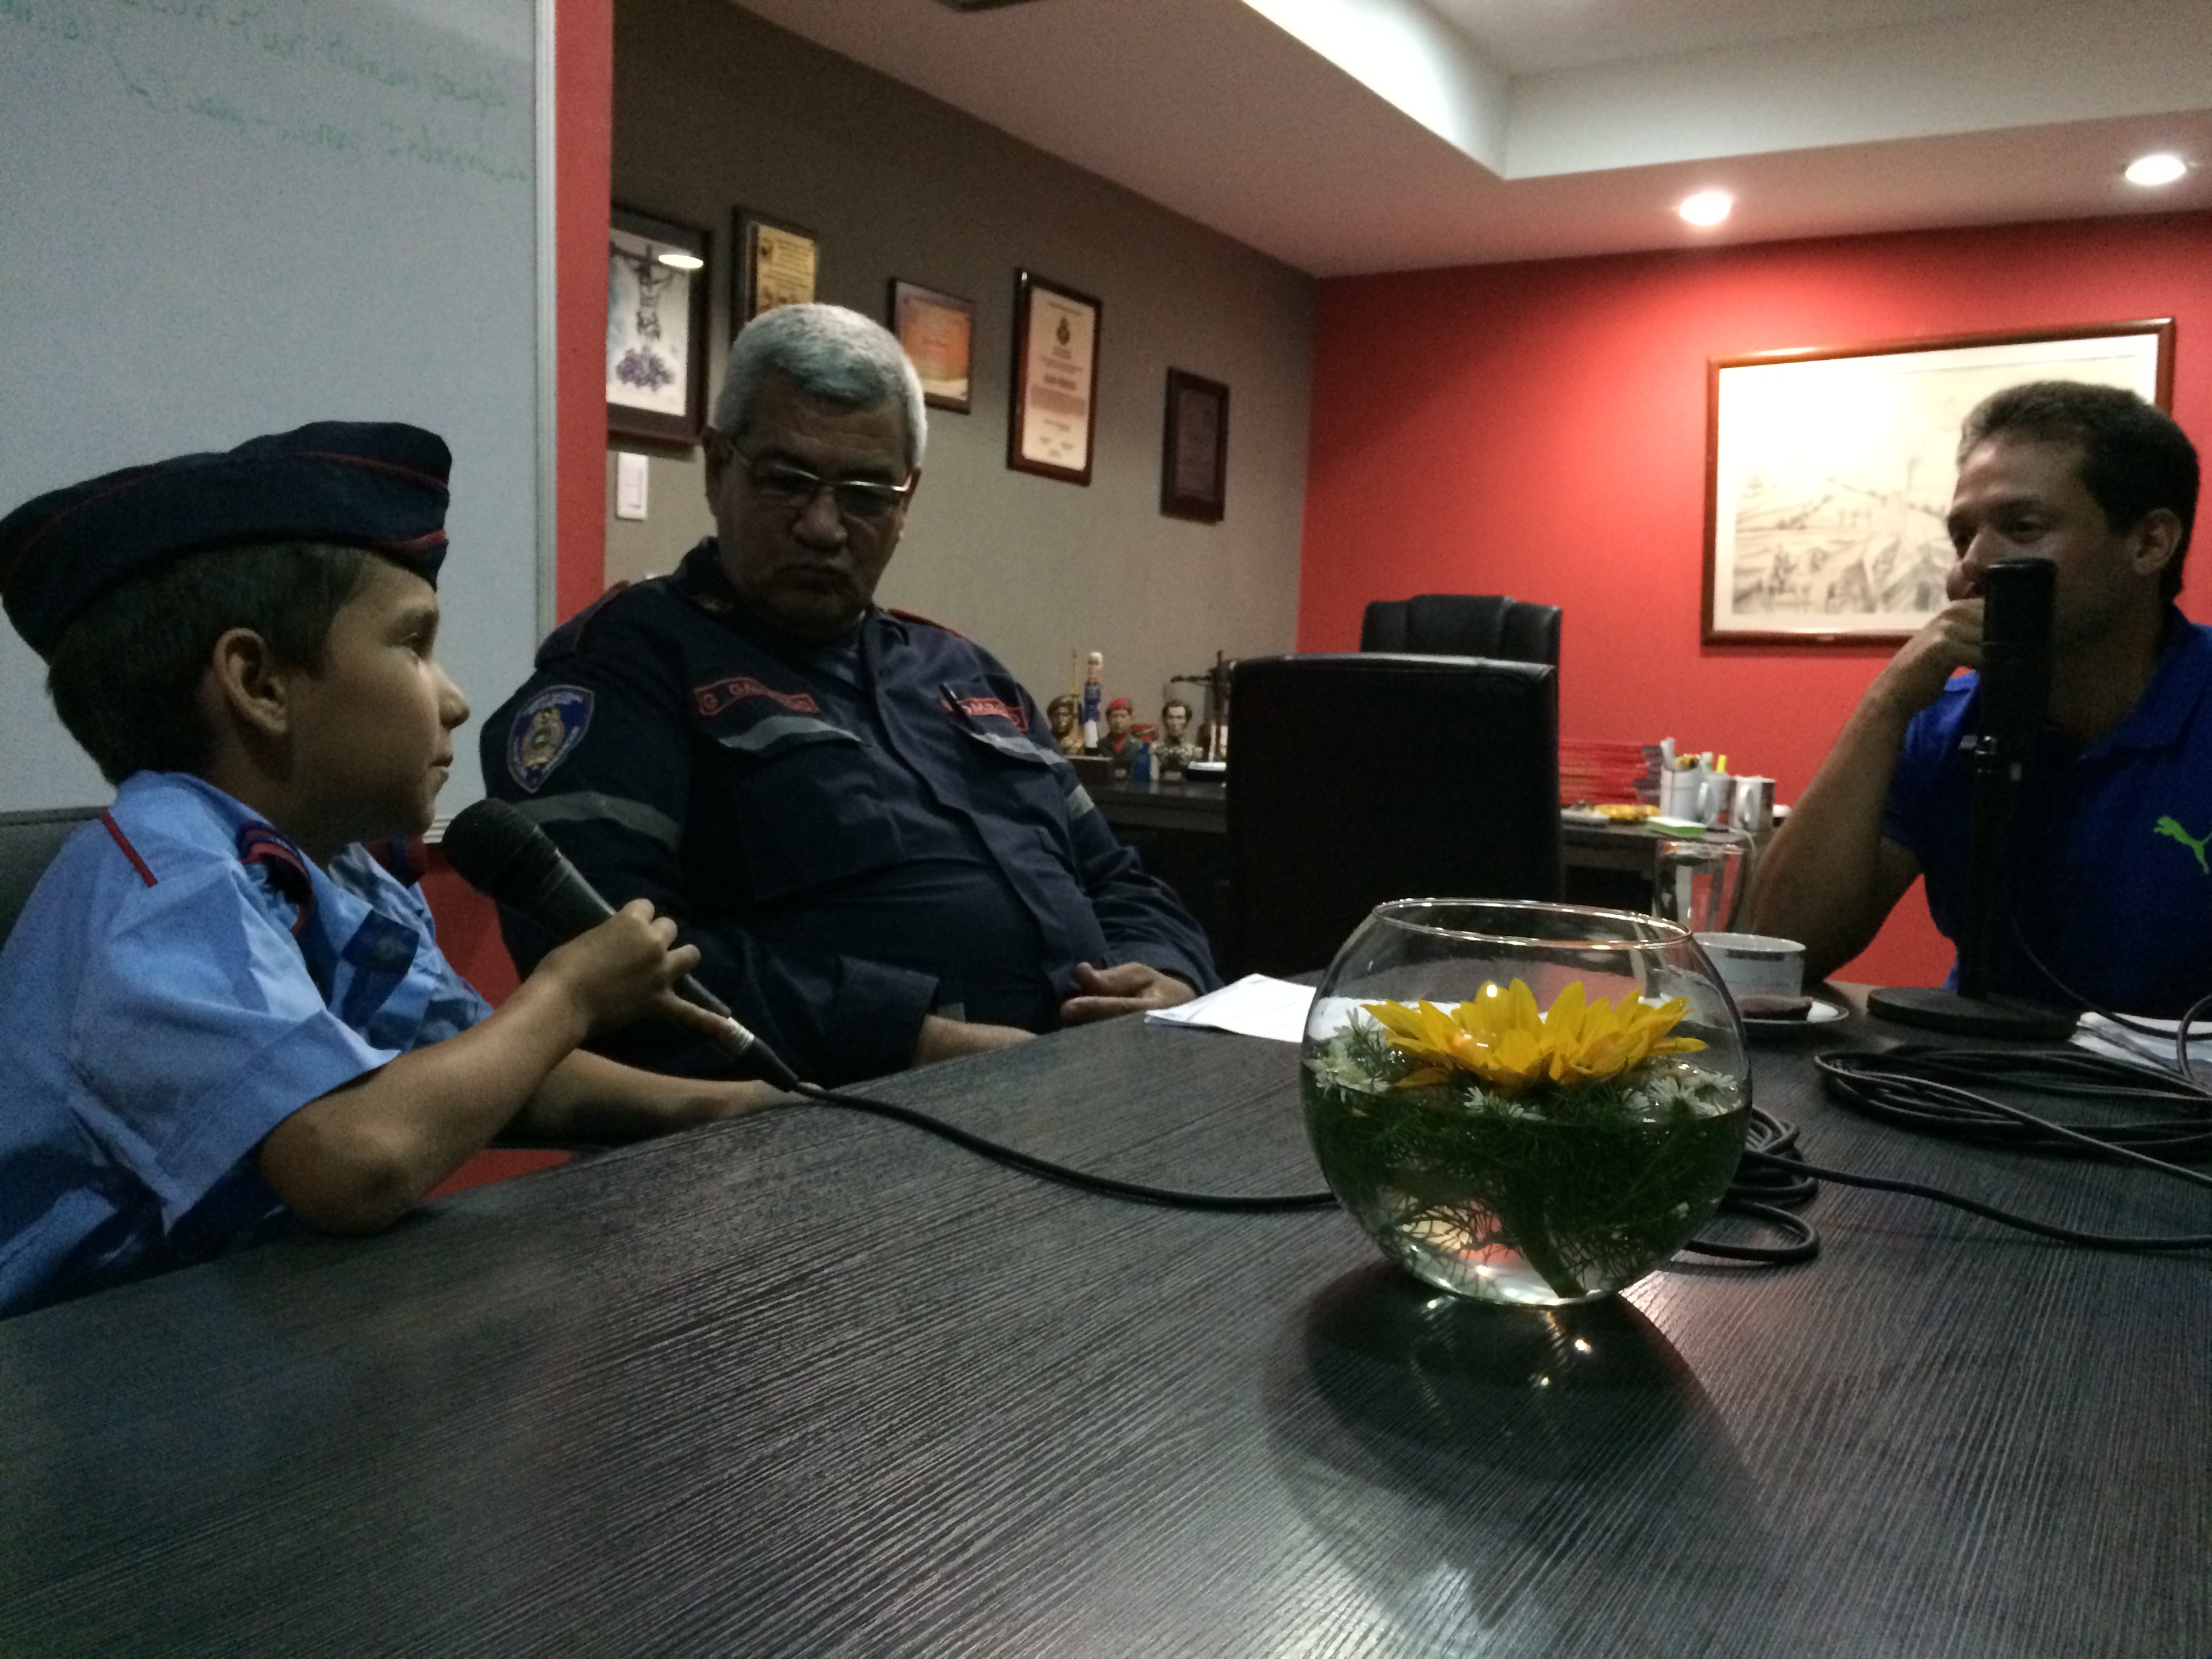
x=1539 y=429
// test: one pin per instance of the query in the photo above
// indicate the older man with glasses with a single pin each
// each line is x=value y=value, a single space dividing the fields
x=860 y=818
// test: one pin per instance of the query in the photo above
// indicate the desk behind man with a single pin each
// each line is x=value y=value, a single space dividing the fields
x=2106 y=884
x=859 y=816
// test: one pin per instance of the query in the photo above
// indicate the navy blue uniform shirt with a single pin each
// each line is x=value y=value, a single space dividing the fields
x=2108 y=873
x=855 y=834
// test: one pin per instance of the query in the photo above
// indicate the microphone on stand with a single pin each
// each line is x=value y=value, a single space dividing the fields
x=509 y=860
x=2015 y=685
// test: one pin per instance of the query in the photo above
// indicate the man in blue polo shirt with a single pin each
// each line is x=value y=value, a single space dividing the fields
x=2109 y=869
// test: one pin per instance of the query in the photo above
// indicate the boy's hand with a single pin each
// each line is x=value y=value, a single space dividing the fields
x=622 y=969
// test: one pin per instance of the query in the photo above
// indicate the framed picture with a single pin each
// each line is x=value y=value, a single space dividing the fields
x=776 y=265
x=1055 y=410
x=1194 y=448
x=939 y=333
x=1828 y=472
x=656 y=328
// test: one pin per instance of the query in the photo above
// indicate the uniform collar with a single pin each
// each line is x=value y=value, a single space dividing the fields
x=2177 y=684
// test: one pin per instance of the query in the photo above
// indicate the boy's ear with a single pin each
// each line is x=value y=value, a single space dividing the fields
x=247 y=683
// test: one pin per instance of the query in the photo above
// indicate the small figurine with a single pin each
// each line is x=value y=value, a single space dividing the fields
x=1094 y=690
x=1119 y=746
x=1175 y=750
x=1060 y=713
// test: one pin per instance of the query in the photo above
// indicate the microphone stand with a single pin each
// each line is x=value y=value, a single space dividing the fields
x=2015 y=687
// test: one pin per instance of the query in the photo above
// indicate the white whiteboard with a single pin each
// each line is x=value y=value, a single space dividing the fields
x=226 y=217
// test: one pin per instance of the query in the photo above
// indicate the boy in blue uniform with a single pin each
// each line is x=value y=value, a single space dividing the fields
x=220 y=1015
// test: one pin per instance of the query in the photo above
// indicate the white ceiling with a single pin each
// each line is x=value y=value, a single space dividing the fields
x=1350 y=136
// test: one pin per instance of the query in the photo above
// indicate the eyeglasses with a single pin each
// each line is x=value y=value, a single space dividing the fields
x=780 y=484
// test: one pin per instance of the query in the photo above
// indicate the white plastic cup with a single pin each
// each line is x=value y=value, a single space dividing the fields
x=1757 y=964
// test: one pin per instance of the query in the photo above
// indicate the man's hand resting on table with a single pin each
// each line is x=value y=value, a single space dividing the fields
x=1130 y=987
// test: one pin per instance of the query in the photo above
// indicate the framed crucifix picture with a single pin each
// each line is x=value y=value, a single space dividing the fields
x=656 y=328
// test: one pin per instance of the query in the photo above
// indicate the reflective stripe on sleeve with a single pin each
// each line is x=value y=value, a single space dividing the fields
x=587 y=806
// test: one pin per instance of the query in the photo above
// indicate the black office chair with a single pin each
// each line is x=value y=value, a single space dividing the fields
x=1464 y=625
x=29 y=842
x=1360 y=777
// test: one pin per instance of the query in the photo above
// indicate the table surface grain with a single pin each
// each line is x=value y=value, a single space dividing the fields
x=814 y=1383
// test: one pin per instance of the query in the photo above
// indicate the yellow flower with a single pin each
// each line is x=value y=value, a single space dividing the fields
x=1499 y=1036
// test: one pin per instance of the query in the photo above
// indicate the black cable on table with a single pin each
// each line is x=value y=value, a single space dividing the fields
x=1923 y=1089
x=1136 y=1192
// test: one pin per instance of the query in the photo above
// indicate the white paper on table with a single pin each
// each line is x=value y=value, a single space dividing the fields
x=2102 y=1036
x=1254 y=1006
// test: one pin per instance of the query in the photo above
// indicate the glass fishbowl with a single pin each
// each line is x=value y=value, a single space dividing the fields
x=1521 y=1103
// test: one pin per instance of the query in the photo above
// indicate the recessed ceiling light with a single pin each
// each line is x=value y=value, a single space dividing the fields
x=679 y=261
x=2156 y=169
x=1707 y=207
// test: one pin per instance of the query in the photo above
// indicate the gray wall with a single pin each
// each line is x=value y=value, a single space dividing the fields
x=715 y=109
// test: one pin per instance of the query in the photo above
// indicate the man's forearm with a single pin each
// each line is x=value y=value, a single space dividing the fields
x=1823 y=880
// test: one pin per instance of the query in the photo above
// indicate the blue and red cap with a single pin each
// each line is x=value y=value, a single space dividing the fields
x=375 y=484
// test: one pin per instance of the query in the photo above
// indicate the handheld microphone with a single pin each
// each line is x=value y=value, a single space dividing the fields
x=509 y=860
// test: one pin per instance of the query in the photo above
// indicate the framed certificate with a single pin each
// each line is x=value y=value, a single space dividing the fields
x=938 y=331
x=1828 y=471
x=1194 y=449
x=656 y=328
x=1054 y=413
x=776 y=265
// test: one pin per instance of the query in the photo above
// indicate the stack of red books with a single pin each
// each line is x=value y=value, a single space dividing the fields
x=1596 y=772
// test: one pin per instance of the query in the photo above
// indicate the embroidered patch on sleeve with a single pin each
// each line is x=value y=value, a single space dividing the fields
x=546 y=730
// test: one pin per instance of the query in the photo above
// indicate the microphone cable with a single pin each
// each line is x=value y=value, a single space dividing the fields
x=1083 y=1180
x=1755 y=1192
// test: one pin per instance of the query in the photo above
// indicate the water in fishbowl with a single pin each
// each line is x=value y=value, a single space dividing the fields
x=1551 y=1197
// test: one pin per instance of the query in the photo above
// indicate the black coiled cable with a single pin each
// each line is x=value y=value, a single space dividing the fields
x=1924 y=1089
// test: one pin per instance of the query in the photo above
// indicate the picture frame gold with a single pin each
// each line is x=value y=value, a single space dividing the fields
x=777 y=263
x=938 y=332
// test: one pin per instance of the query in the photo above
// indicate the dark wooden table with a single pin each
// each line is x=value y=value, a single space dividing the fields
x=813 y=1383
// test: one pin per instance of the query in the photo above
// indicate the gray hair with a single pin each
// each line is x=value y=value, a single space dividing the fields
x=827 y=352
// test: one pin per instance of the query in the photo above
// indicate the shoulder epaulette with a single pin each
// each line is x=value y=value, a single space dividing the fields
x=926 y=621
x=564 y=640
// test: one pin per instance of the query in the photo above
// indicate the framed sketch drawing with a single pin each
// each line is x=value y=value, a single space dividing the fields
x=1054 y=415
x=1194 y=449
x=1828 y=472
x=656 y=328
x=938 y=331
x=776 y=265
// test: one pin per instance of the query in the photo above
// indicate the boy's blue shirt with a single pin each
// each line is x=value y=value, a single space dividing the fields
x=182 y=981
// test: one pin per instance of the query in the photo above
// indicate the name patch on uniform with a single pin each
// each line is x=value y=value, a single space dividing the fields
x=716 y=695
x=546 y=729
x=987 y=707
